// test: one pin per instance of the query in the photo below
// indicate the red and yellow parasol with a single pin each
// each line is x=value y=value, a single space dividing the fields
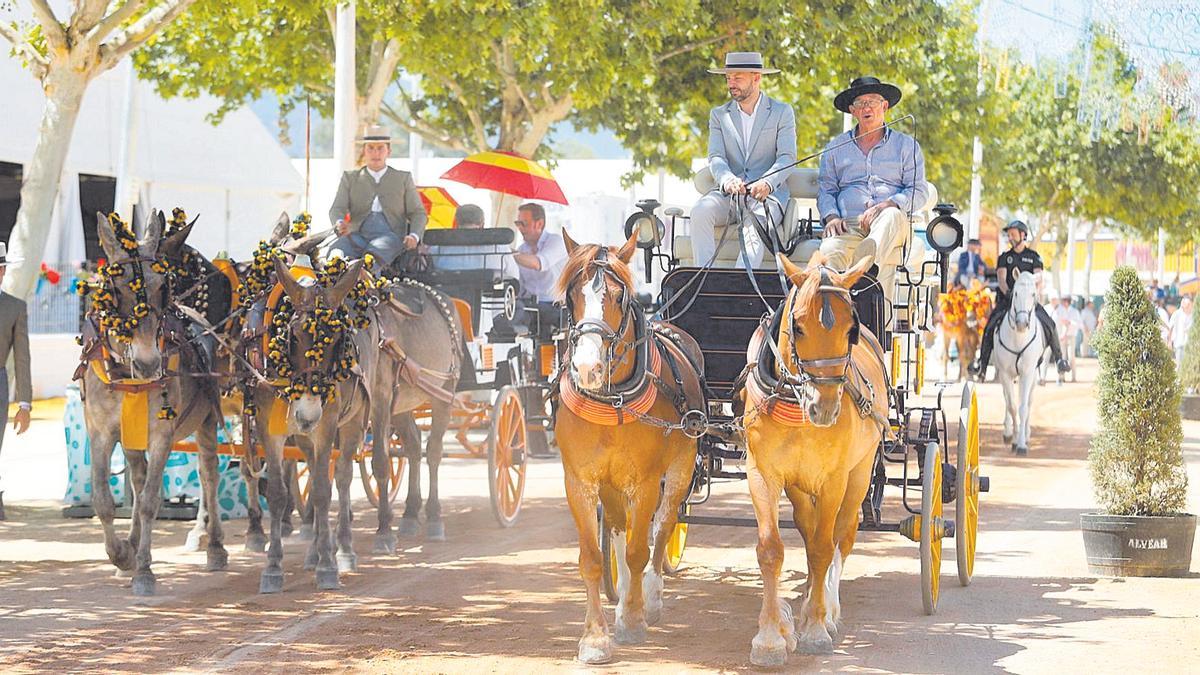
x=508 y=173
x=439 y=206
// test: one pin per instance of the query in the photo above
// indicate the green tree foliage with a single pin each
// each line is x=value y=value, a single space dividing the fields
x=1136 y=456
x=501 y=74
x=1046 y=161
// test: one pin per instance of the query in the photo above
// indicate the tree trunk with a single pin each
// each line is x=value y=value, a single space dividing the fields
x=64 y=86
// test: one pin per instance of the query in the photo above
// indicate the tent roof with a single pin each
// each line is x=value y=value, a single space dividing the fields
x=174 y=142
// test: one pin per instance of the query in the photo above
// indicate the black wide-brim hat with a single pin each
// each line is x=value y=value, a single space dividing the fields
x=867 y=85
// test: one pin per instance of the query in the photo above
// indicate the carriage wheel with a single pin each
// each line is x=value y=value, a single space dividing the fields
x=932 y=527
x=506 y=456
x=675 y=546
x=608 y=559
x=966 y=507
x=367 y=474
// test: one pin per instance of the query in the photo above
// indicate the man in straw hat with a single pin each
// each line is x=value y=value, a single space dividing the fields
x=749 y=137
x=14 y=339
x=872 y=179
x=377 y=209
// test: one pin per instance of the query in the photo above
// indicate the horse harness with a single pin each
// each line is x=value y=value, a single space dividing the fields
x=784 y=396
x=1009 y=317
x=654 y=345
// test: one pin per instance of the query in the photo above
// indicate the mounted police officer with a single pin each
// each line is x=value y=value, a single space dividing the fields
x=1019 y=257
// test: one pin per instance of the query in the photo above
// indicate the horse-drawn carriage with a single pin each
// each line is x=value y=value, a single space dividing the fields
x=722 y=309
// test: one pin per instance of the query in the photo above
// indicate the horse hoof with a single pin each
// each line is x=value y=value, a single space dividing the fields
x=385 y=544
x=347 y=562
x=306 y=533
x=143 y=584
x=327 y=580
x=1013 y=448
x=271 y=582
x=409 y=527
x=1007 y=438
x=194 y=542
x=218 y=559
x=822 y=644
x=435 y=530
x=768 y=655
x=653 y=614
x=256 y=543
x=634 y=635
x=123 y=574
x=1022 y=451
x=595 y=651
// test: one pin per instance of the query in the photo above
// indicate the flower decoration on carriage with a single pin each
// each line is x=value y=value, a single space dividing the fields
x=300 y=225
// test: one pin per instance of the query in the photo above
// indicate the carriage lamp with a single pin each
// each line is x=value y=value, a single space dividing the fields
x=650 y=230
x=944 y=232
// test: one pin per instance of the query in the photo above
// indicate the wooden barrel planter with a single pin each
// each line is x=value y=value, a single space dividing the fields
x=1138 y=546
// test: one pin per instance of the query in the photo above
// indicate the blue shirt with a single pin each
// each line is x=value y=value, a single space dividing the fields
x=851 y=181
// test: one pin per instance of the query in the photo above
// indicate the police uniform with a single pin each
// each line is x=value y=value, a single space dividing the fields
x=1010 y=262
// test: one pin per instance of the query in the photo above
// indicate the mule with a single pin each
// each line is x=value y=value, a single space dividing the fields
x=1018 y=346
x=319 y=412
x=133 y=336
x=624 y=392
x=815 y=401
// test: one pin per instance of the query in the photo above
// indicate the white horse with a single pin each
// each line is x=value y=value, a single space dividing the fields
x=1018 y=344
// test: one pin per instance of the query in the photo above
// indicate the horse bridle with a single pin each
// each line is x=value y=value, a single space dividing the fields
x=591 y=326
x=805 y=376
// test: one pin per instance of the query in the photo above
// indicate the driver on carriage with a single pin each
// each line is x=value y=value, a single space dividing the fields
x=1019 y=257
x=750 y=137
x=872 y=179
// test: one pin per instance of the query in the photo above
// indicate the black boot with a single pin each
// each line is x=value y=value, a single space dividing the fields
x=1063 y=366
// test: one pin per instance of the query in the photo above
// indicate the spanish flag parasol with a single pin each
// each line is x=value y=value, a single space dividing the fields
x=439 y=206
x=508 y=173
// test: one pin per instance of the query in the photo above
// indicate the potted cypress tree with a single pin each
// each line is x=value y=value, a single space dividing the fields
x=1189 y=373
x=1136 y=456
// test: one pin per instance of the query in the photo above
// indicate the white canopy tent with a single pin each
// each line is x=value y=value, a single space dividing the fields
x=233 y=175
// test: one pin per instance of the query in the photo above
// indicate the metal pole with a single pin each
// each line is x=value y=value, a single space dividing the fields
x=414 y=139
x=123 y=200
x=1071 y=222
x=345 y=119
x=1162 y=256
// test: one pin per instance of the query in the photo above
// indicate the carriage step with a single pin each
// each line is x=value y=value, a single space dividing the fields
x=736 y=521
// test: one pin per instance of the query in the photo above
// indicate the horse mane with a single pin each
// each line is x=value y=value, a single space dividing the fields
x=582 y=261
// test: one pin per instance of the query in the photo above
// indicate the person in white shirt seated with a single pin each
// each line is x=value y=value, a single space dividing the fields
x=540 y=259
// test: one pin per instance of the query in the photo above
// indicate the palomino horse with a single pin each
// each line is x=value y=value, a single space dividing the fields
x=138 y=362
x=801 y=441
x=624 y=392
x=965 y=335
x=1019 y=345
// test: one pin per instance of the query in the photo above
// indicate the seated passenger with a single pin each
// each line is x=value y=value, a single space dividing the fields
x=748 y=138
x=475 y=257
x=540 y=257
x=869 y=187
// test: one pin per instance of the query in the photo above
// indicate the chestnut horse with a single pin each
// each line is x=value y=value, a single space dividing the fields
x=803 y=441
x=624 y=389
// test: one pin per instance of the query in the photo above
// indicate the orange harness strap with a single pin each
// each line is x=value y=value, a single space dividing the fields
x=605 y=414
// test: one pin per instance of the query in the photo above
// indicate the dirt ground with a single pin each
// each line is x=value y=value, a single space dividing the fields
x=510 y=601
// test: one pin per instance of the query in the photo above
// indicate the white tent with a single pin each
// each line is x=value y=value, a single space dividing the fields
x=234 y=175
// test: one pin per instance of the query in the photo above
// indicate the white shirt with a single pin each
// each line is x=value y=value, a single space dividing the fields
x=1089 y=320
x=748 y=121
x=1068 y=319
x=552 y=254
x=377 y=175
x=1180 y=325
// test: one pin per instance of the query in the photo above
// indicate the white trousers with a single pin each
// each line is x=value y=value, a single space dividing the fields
x=715 y=208
x=890 y=230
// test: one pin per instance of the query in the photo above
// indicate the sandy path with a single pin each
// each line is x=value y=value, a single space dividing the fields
x=492 y=600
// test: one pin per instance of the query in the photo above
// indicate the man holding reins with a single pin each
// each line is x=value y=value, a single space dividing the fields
x=750 y=137
x=1019 y=257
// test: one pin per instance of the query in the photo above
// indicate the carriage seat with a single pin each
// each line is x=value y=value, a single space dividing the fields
x=802 y=184
x=476 y=258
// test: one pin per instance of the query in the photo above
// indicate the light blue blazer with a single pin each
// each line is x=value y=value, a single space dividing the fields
x=772 y=144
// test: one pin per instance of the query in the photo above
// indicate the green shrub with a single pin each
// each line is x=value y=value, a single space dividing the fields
x=1136 y=456
x=1189 y=367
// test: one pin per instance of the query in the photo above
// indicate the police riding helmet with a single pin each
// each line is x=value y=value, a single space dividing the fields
x=1017 y=225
